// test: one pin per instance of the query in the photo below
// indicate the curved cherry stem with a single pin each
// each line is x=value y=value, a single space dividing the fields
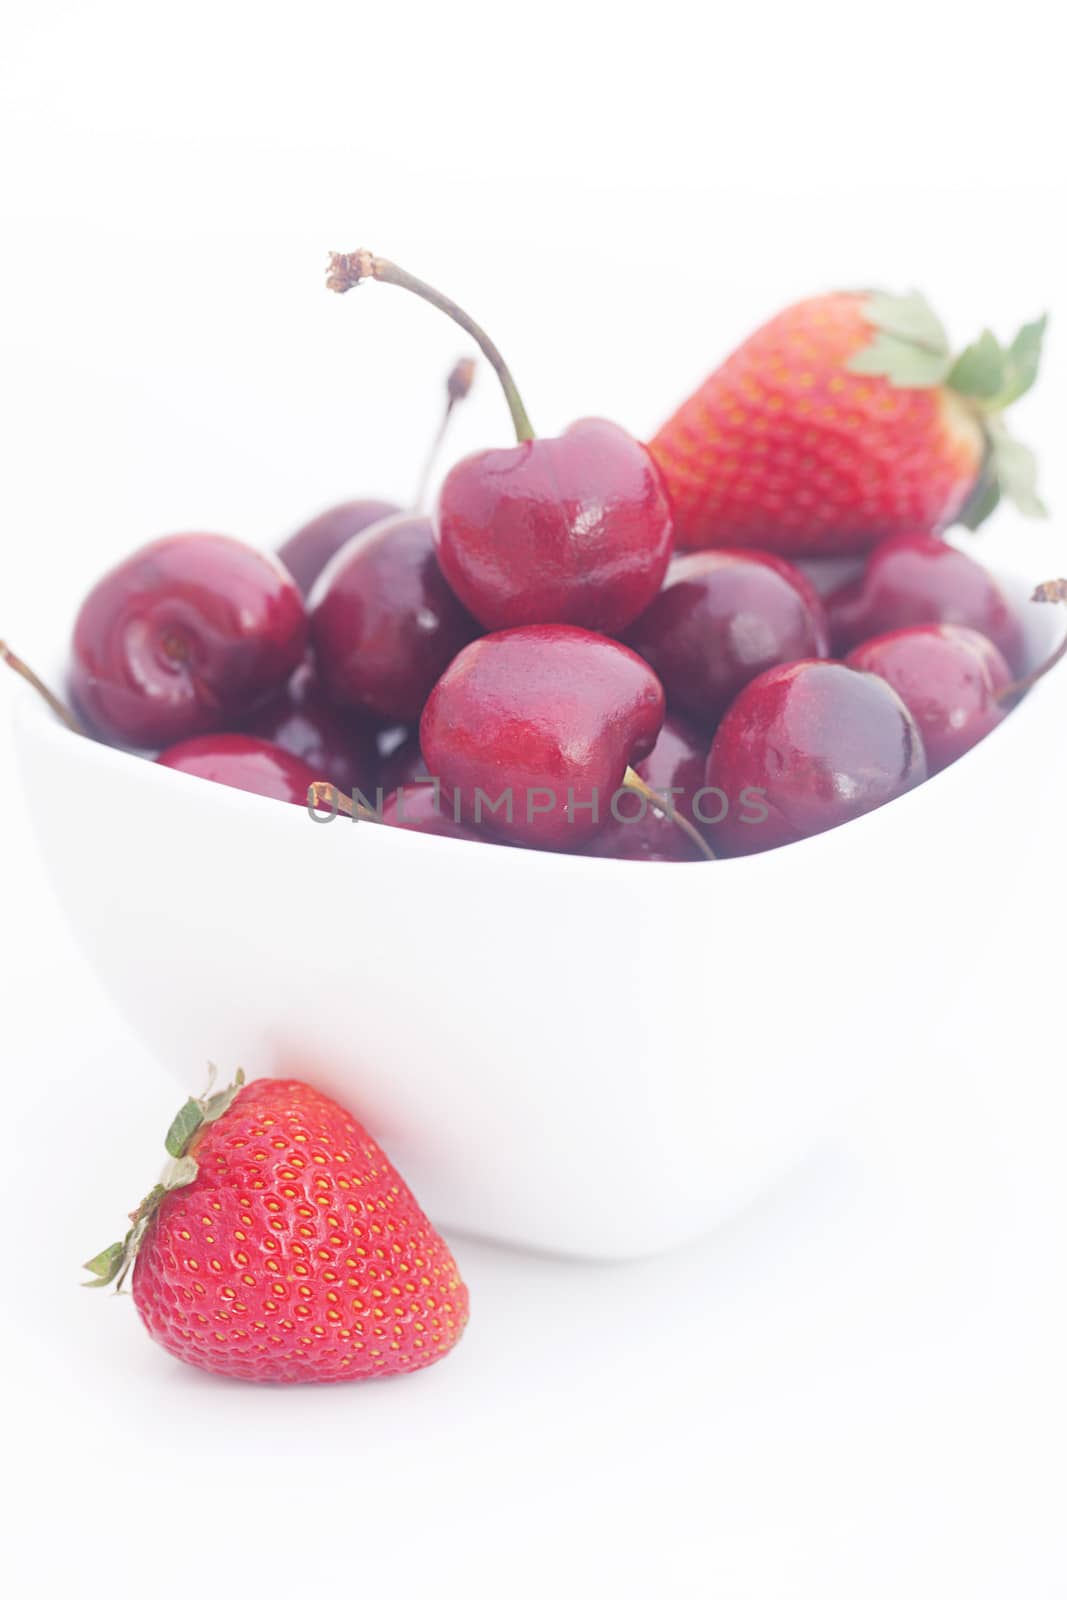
x=53 y=701
x=457 y=388
x=346 y=271
x=333 y=799
x=661 y=803
x=1052 y=592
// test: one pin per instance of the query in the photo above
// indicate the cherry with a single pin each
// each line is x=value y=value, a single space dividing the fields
x=242 y=762
x=575 y=529
x=532 y=732
x=914 y=577
x=308 y=550
x=673 y=767
x=949 y=679
x=721 y=618
x=806 y=747
x=421 y=809
x=184 y=637
x=303 y=722
x=384 y=623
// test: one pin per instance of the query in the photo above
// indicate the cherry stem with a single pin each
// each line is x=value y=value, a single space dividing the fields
x=1055 y=590
x=17 y=664
x=334 y=799
x=662 y=804
x=346 y=271
x=457 y=388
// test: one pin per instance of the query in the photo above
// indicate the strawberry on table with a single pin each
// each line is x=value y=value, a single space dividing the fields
x=281 y=1246
x=842 y=420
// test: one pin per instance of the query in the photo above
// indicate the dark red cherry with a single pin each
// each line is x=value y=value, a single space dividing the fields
x=185 y=637
x=722 y=618
x=572 y=529
x=674 y=768
x=307 y=551
x=422 y=809
x=949 y=679
x=806 y=747
x=541 y=723
x=302 y=721
x=242 y=762
x=575 y=529
x=384 y=623
x=914 y=578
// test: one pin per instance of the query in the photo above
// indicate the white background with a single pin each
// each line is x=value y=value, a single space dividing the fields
x=857 y=1389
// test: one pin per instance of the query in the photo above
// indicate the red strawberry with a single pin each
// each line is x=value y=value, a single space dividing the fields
x=282 y=1246
x=844 y=419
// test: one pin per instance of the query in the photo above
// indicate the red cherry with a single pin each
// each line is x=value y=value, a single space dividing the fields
x=948 y=678
x=915 y=578
x=185 y=637
x=242 y=762
x=722 y=618
x=674 y=767
x=303 y=722
x=573 y=529
x=384 y=623
x=806 y=747
x=307 y=551
x=546 y=721
x=422 y=809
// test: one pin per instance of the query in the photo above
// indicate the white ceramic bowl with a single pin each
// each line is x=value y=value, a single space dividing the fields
x=590 y=1057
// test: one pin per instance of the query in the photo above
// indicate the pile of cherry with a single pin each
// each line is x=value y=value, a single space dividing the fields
x=535 y=649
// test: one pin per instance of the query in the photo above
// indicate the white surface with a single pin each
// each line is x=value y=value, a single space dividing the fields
x=857 y=1389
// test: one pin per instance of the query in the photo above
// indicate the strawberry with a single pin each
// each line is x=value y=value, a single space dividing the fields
x=280 y=1245
x=844 y=419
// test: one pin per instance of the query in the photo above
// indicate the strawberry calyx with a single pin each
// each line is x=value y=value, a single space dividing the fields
x=911 y=348
x=114 y=1264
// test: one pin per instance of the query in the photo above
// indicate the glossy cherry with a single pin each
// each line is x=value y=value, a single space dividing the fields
x=722 y=618
x=241 y=762
x=544 y=721
x=806 y=747
x=674 y=767
x=949 y=678
x=384 y=623
x=302 y=721
x=184 y=637
x=307 y=551
x=575 y=529
x=914 y=578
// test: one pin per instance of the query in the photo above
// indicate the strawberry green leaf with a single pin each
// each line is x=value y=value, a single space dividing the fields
x=105 y=1266
x=1015 y=466
x=178 y=1172
x=982 y=368
x=983 y=502
x=1022 y=362
x=218 y=1104
x=909 y=317
x=906 y=365
x=189 y=1119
